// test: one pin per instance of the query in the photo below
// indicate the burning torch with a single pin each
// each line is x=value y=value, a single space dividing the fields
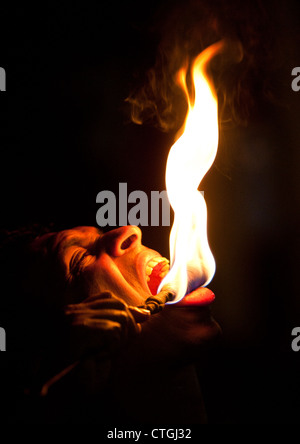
x=190 y=157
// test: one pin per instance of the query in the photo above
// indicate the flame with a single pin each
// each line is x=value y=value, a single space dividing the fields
x=191 y=156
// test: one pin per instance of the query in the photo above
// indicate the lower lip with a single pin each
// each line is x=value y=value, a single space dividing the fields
x=200 y=297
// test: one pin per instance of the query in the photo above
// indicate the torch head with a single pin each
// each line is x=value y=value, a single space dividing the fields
x=156 y=303
x=200 y=297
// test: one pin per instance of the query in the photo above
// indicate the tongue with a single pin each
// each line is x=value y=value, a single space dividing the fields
x=200 y=296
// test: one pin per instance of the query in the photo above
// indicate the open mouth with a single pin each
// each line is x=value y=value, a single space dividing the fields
x=156 y=269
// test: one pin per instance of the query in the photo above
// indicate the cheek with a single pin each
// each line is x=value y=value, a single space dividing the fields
x=101 y=276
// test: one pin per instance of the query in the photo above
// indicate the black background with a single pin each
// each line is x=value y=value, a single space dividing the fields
x=66 y=135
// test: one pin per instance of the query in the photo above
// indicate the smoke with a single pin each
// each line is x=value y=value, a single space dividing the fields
x=242 y=74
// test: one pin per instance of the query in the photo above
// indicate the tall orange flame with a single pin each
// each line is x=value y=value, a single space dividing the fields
x=191 y=156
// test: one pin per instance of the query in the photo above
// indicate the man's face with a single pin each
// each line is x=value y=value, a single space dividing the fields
x=115 y=261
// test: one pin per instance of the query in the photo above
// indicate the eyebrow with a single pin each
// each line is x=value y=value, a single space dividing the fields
x=64 y=243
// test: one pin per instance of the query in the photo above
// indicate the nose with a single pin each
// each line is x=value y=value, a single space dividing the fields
x=122 y=240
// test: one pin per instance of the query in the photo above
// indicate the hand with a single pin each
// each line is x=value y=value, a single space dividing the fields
x=179 y=330
x=102 y=323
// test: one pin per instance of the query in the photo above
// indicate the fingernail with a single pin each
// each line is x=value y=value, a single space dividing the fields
x=145 y=311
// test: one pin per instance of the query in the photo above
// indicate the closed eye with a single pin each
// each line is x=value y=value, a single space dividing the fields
x=78 y=261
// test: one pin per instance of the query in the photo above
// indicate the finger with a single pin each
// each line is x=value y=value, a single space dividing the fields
x=111 y=332
x=96 y=304
x=110 y=314
x=133 y=327
x=123 y=317
x=105 y=325
x=105 y=295
x=139 y=314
